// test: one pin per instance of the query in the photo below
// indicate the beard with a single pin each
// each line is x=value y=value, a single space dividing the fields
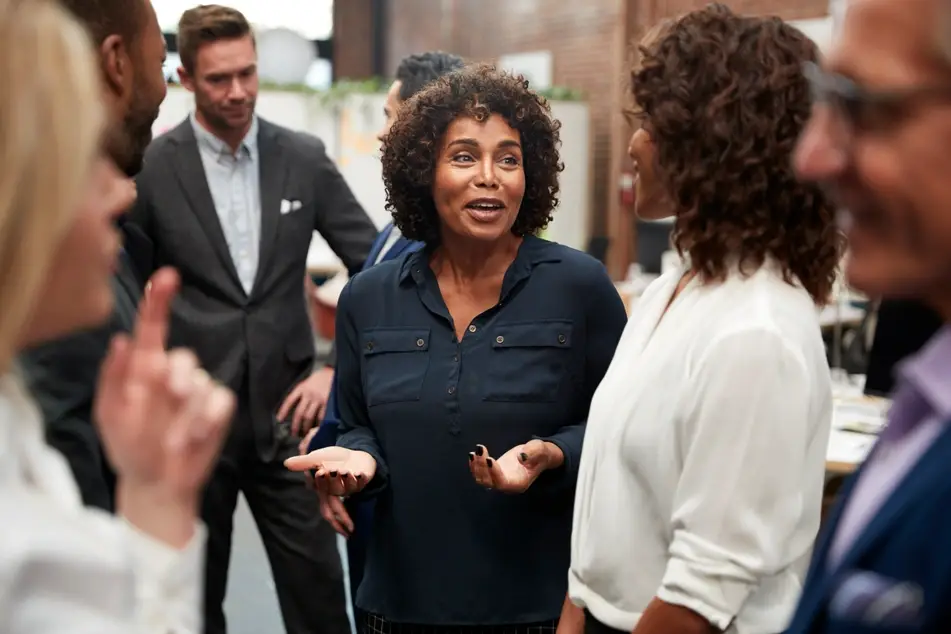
x=126 y=143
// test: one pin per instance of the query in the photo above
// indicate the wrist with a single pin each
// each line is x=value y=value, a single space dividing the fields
x=167 y=516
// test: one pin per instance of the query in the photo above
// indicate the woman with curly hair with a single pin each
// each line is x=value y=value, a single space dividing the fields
x=465 y=370
x=700 y=487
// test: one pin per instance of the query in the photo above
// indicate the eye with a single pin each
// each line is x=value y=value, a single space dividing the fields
x=463 y=158
x=511 y=160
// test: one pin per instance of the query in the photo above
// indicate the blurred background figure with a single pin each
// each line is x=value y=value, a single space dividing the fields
x=162 y=420
x=721 y=382
x=465 y=369
x=880 y=141
x=62 y=374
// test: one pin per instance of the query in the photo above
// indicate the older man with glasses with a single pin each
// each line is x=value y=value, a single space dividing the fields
x=880 y=141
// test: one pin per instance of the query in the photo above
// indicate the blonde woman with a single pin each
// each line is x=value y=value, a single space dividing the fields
x=162 y=420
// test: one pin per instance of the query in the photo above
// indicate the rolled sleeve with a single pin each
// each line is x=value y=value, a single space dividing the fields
x=741 y=494
x=169 y=582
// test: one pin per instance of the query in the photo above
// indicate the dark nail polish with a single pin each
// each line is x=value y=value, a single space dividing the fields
x=479 y=450
x=523 y=456
x=359 y=476
x=489 y=462
x=333 y=474
x=471 y=456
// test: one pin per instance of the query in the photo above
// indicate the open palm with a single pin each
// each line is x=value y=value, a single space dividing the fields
x=338 y=471
x=514 y=471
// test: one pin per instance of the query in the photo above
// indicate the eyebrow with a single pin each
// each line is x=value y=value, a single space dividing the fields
x=508 y=143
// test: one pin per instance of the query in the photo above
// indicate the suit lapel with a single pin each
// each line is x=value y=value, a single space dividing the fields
x=818 y=578
x=273 y=164
x=191 y=174
x=929 y=473
x=917 y=486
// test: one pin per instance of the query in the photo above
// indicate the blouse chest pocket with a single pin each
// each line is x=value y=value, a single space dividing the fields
x=529 y=361
x=395 y=361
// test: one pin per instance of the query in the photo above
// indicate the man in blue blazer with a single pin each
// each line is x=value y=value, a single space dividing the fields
x=413 y=74
x=880 y=141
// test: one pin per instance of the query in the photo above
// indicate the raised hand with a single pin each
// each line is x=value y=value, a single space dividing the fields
x=516 y=469
x=161 y=417
x=339 y=471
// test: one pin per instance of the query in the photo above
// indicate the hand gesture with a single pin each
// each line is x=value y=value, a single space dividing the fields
x=339 y=471
x=161 y=417
x=308 y=400
x=516 y=469
x=335 y=513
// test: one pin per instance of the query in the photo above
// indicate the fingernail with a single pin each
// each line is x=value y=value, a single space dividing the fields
x=359 y=476
x=333 y=474
x=523 y=456
x=471 y=456
x=489 y=462
x=480 y=450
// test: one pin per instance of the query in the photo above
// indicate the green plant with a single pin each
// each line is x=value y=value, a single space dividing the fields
x=340 y=90
x=562 y=93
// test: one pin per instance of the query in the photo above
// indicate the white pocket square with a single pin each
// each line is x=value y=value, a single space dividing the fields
x=287 y=206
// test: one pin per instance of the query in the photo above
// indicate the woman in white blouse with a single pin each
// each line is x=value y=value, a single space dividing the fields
x=64 y=568
x=701 y=479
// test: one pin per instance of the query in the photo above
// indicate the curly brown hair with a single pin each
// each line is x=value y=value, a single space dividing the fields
x=412 y=146
x=724 y=99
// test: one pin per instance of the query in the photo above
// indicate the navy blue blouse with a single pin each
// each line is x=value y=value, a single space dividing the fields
x=443 y=550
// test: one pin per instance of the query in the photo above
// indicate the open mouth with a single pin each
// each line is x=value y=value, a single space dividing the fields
x=485 y=210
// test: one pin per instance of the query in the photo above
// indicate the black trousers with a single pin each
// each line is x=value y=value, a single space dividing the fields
x=301 y=547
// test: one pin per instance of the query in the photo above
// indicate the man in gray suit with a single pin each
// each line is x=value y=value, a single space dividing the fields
x=231 y=201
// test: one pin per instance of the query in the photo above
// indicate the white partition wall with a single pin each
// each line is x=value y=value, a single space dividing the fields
x=350 y=130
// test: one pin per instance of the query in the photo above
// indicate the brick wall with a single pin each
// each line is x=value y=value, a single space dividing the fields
x=590 y=44
x=352 y=40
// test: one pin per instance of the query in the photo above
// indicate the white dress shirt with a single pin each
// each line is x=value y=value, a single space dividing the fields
x=701 y=477
x=68 y=569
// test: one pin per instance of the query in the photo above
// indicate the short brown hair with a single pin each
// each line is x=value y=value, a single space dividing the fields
x=205 y=24
x=724 y=99
x=103 y=18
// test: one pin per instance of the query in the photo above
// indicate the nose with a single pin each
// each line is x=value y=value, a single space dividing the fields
x=821 y=153
x=488 y=175
x=237 y=91
x=381 y=135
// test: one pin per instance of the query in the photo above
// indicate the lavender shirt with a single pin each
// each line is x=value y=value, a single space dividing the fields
x=920 y=410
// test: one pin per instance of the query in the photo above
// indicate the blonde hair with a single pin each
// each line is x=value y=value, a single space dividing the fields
x=50 y=127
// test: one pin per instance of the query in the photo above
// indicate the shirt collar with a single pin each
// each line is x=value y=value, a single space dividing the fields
x=248 y=147
x=929 y=373
x=531 y=252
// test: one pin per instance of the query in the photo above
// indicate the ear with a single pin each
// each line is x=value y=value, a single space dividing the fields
x=116 y=67
x=187 y=81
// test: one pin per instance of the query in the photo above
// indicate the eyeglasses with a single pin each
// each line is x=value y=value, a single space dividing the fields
x=860 y=108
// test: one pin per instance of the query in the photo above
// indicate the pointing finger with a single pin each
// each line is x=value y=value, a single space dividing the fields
x=151 y=325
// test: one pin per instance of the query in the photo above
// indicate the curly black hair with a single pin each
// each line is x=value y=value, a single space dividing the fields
x=724 y=100
x=416 y=71
x=413 y=144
